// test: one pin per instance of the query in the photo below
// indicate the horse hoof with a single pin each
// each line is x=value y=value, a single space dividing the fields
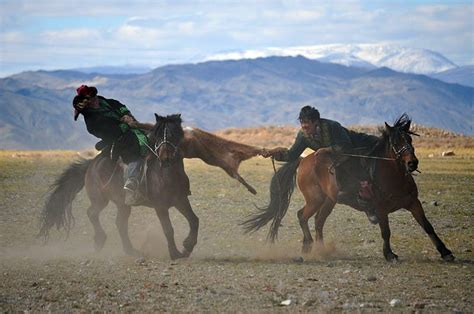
x=176 y=256
x=186 y=253
x=306 y=249
x=449 y=258
x=298 y=259
x=189 y=245
x=134 y=253
x=391 y=257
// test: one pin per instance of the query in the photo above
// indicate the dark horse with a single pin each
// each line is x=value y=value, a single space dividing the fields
x=393 y=188
x=166 y=185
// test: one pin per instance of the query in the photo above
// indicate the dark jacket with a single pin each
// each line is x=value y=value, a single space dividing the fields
x=331 y=134
x=104 y=123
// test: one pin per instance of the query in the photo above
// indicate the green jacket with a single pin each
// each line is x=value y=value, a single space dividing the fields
x=331 y=134
x=104 y=123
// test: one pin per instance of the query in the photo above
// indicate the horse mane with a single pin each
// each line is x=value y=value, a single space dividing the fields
x=161 y=120
x=174 y=119
x=402 y=123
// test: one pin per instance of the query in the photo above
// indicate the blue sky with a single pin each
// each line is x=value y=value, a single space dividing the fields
x=61 y=34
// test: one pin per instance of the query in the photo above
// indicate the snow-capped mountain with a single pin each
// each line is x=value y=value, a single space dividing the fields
x=398 y=58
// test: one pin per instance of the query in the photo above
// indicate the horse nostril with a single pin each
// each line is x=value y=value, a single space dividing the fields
x=412 y=164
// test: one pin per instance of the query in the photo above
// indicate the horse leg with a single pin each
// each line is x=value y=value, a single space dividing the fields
x=186 y=210
x=385 y=229
x=419 y=214
x=121 y=222
x=320 y=218
x=312 y=206
x=93 y=213
x=303 y=217
x=244 y=183
x=163 y=215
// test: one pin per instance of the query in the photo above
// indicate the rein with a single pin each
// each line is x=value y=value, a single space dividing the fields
x=368 y=157
x=152 y=151
x=163 y=142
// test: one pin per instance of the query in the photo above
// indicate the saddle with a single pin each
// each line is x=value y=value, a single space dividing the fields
x=355 y=175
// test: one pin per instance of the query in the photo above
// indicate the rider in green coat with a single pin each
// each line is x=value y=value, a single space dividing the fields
x=112 y=122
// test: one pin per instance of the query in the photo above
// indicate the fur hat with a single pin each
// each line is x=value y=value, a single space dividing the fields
x=85 y=90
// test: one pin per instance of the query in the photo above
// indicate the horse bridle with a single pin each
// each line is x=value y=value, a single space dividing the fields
x=165 y=141
x=407 y=147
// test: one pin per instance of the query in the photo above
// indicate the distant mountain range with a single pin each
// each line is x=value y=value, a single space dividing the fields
x=125 y=69
x=461 y=75
x=37 y=112
x=369 y=56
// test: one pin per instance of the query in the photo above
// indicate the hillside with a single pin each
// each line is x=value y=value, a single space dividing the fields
x=461 y=75
x=37 y=111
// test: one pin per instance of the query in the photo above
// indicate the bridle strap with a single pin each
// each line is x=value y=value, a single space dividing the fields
x=164 y=142
x=366 y=156
x=404 y=148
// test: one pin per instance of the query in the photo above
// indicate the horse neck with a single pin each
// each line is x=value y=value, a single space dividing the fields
x=175 y=166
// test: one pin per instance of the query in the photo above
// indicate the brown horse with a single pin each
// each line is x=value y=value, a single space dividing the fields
x=393 y=188
x=165 y=184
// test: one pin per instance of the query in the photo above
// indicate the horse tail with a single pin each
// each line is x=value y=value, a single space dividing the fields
x=281 y=189
x=57 y=209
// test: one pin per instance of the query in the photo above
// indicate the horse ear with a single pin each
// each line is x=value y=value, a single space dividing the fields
x=388 y=127
x=158 y=118
x=407 y=126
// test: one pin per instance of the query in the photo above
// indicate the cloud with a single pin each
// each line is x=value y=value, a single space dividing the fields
x=144 y=31
x=80 y=36
x=8 y=38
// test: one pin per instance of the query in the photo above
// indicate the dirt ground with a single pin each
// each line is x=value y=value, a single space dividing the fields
x=229 y=271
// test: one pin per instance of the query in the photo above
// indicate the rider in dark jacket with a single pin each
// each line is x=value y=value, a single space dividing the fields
x=112 y=122
x=328 y=135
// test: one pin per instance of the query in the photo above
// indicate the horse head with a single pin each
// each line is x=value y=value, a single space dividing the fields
x=167 y=135
x=400 y=141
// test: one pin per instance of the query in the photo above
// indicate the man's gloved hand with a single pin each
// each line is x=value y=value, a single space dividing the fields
x=272 y=152
x=128 y=119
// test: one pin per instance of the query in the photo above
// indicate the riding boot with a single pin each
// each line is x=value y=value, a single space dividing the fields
x=346 y=198
x=132 y=182
x=369 y=209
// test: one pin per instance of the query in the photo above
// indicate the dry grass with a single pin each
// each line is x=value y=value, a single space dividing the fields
x=230 y=271
x=46 y=154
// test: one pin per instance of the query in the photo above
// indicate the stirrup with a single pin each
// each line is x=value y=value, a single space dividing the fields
x=372 y=217
x=131 y=185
